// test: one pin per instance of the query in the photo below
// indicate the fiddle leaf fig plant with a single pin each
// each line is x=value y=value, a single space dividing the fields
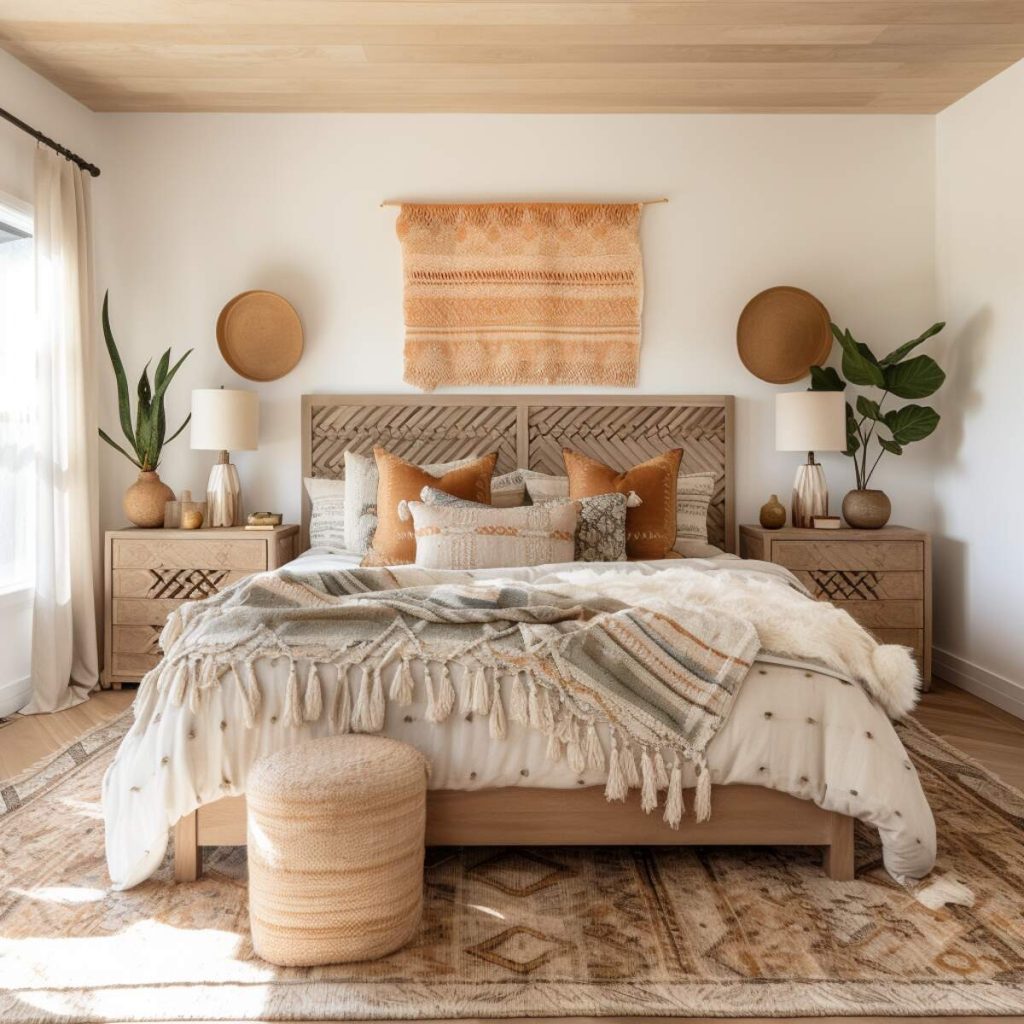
x=147 y=436
x=895 y=376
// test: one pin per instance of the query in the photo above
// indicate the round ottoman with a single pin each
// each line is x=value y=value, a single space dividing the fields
x=335 y=835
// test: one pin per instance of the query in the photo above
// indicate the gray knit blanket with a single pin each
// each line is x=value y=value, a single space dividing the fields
x=663 y=679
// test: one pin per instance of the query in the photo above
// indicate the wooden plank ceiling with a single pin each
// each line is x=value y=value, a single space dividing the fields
x=715 y=56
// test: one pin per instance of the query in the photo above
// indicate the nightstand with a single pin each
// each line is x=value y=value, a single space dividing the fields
x=883 y=578
x=148 y=573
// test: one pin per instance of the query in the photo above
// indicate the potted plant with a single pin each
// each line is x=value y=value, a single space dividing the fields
x=892 y=429
x=144 y=501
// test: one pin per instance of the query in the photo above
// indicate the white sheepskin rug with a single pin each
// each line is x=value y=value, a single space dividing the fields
x=788 y=623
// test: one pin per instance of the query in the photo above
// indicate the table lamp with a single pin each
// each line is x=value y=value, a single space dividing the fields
x=224 y=421
x=810 y=421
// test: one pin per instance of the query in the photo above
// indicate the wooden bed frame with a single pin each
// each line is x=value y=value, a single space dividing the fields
x=529 y=431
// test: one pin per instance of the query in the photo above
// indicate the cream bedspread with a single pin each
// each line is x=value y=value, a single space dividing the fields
x=812 y=734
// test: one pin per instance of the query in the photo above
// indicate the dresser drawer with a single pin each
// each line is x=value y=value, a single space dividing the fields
x=857 y=555
x=885 y=614
x=133 y=665
x=141 y=611
x=153 y=553
x=862 y=585
x=176 y=584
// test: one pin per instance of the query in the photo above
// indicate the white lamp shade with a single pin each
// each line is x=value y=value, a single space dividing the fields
x=810 y=421
x=224 y=420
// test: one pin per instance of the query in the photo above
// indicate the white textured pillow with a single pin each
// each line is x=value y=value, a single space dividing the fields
x=327 y=515
x=461 y=537
x=544 y=487
x=361 y=480
x=509 y=489
x=694 y=492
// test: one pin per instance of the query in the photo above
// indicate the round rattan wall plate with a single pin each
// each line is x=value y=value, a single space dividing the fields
x=782 y=333
x=259 y=335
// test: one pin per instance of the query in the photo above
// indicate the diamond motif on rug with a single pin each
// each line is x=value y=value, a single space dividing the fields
x=524 y=949
x=519 y=872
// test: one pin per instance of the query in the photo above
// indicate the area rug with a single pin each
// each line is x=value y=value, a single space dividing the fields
x=521 y=293
x=527 y=932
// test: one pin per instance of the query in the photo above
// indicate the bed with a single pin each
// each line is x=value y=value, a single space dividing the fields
x=799 y=783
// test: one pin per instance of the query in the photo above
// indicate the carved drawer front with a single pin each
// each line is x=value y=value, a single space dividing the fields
x=862 y=556
x=250 y=556
x=885 y=614
x=862 y=585
x=177 y=584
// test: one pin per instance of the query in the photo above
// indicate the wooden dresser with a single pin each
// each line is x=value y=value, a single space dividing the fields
x=883 y=578
x=148 y=573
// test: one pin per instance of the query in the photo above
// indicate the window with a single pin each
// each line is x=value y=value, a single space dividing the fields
x=17 y=396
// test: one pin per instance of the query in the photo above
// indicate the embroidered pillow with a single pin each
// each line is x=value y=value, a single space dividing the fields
x=694 y=494
x=393 y=541
x=651 y=526
x=600 y=527
x=361 y=480
x=508 y=490
x=327 y=512
x=474 y=537
x=544 y=487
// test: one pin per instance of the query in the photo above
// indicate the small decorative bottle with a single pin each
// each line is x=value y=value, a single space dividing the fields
x=773 y=514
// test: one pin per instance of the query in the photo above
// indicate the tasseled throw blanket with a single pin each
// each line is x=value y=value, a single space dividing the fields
x=663 y=679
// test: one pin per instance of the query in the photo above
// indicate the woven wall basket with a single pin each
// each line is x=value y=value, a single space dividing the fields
x=259 y=334
x=782 y=333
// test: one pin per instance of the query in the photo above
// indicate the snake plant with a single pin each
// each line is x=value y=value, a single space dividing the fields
x=147 y=437
x=894 y=375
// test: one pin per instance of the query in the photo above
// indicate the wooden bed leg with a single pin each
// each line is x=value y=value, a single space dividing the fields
x=839 y=863
x=188 y=855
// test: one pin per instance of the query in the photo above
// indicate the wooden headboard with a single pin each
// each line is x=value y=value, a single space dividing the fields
x=527 y=431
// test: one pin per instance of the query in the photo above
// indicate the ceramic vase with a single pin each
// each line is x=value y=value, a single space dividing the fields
x=867 y=510
x=144 y=501
x=773 y=514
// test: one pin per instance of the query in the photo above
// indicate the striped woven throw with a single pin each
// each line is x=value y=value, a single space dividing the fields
x=662 y=679
x=521 y=293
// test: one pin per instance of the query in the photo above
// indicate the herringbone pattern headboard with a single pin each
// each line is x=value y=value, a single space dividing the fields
x=528 y=431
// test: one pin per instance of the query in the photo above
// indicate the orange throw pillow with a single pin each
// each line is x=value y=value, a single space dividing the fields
x=651 y=526
x=394 y=542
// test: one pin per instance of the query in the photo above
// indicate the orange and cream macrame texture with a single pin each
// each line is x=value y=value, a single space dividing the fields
x=521 y=293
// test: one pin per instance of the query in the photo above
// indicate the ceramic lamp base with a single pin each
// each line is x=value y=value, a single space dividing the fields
x=810 y=494
x=224 y=494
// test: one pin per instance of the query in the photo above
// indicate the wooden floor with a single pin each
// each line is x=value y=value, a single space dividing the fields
x=982 y=731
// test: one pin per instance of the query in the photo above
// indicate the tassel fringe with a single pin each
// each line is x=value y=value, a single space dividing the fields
x=531 y=703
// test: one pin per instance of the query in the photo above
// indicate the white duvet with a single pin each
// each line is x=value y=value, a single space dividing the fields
x=813 y=734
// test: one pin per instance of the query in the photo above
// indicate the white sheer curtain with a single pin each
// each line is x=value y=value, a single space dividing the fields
x=65 y=650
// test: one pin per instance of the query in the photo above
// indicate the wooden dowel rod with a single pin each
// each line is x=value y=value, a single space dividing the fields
x=398 y=202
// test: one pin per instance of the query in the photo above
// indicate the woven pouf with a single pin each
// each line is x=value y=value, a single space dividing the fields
x=336 y=850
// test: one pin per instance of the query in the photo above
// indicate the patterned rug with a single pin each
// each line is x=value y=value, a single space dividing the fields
x=561 y=932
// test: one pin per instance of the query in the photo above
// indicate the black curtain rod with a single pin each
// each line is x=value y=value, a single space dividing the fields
x=47 y=141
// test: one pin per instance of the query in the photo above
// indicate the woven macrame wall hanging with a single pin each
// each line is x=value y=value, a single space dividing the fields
x=521 y=293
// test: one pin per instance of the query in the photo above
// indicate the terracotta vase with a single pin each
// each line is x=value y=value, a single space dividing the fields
x=867 y=510
x=144 y=501
x=773 y=514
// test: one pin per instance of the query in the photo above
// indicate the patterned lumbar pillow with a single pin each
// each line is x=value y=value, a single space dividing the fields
x=393 y=541
x=651 y=526
x=600 y=528
x=361 y=481
x=694 y=492
x=693 y=498
x=327 y=514
x=483 y=537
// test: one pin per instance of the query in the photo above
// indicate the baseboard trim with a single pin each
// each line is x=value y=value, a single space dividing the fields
x=1004 y=693
x=14 y=694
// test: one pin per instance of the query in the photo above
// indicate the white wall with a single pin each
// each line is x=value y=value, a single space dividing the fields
x=979 y=484
x=54 y=113
x=199 y=207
